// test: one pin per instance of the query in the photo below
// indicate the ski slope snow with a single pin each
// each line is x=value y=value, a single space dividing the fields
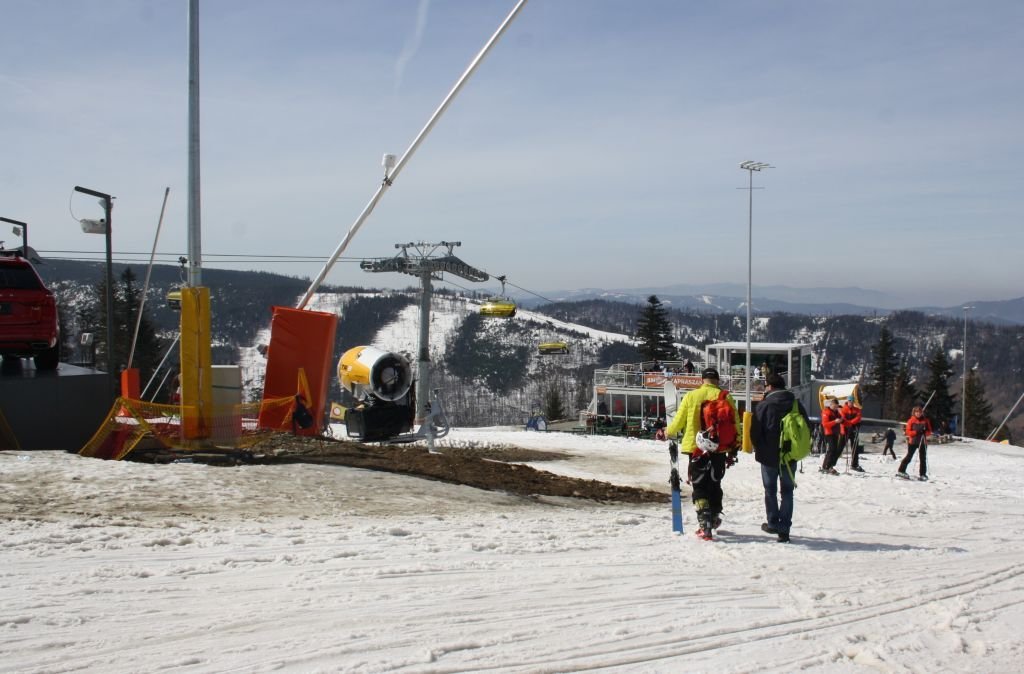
x=125 y=567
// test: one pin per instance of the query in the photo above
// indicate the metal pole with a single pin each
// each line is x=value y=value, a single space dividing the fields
x=111 y=351
x=963 y=392
x=992 y=435
x=195 y=256
x=390 y=178
x=145 y=284
x=423 y=362
x=750 y=272
x=108 y=206
x=750 y=167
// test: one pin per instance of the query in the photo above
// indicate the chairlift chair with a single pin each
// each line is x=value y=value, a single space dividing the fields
x=499 y=306
x=553 y=348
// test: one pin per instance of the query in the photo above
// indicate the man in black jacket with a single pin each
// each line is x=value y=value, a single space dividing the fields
x=764 y=434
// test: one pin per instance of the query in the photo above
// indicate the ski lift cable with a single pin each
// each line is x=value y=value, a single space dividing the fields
x=175 y=256
x=504 y=281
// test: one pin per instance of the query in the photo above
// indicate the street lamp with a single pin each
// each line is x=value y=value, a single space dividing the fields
x=963 y=392
x=103 y=227
x=750 y=167
x=23 y=232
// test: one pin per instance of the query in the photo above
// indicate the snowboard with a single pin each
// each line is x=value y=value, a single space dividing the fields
x=673 y=454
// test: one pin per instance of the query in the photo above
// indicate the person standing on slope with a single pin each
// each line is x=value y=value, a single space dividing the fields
x=830 y=424
x=711 y=447
x=890 y=438
x=850 y=416
x=919 y=427
x=765 y=435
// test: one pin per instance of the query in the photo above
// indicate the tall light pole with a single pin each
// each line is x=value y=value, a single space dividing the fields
x=963 y=392
x=104 y=228
x=750 y=167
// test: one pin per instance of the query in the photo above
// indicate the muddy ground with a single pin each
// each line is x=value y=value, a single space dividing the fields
x=493 y=468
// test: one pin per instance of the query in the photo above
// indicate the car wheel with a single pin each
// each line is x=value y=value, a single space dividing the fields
x=48 y=359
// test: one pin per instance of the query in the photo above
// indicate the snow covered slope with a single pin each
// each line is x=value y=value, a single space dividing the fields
x=119 y=567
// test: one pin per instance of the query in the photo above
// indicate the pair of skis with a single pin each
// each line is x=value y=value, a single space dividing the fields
x=671 y=403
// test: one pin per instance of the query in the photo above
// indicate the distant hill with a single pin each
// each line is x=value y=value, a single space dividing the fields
x=731 y=298
x=491 y=369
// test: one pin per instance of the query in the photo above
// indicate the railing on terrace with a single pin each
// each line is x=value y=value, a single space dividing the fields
x=643 y=376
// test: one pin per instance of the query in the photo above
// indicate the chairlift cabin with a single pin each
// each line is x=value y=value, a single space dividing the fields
x=499 y=306
x=553 y=348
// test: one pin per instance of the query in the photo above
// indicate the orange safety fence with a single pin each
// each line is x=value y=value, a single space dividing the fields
x=130 y=421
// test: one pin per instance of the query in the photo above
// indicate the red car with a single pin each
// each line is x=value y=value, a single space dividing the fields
x=28 y=314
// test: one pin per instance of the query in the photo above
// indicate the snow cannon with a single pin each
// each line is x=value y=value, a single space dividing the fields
x=366 y=370
x=381 y=382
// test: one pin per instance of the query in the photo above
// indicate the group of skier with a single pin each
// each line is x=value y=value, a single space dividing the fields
x=708 y=422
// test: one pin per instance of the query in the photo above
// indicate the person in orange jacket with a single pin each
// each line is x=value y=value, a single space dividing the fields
x=919 y=427
x=850 y=416
x=831 y=423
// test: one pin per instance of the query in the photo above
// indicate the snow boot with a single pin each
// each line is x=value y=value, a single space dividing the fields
x=900 y=474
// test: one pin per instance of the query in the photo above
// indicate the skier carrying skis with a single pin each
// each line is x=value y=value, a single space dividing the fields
x=919 y=427
x=710 y=450
x=850 y=417
x=765 y=434
x=830 y=423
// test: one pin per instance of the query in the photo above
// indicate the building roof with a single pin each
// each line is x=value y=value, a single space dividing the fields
x=759 y=346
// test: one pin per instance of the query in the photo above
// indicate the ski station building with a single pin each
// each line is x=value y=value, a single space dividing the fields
x=634 y=392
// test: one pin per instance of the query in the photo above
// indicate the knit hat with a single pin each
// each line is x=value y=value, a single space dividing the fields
x=709 y=373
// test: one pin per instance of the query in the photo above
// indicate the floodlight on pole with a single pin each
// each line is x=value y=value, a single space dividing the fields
x=89 y=226
x=963 y=390
x=750 y=167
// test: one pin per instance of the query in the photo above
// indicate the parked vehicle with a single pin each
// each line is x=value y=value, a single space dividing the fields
x=28 y=314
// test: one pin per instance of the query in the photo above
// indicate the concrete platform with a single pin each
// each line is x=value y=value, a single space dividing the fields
x=56 y=409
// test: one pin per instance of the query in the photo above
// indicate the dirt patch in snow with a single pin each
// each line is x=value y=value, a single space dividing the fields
x=492 y=468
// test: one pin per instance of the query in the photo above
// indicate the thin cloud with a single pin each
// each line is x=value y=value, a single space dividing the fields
x=413 y=44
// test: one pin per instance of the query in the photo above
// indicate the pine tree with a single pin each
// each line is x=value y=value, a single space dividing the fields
x=884 y=369
x=978 y=423
x=655 y=331
x=553 y=408
x=940 y=409
x=101 y=348
x=904 y=394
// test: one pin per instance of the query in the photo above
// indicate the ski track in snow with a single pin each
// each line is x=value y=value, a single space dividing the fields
x=122 y=567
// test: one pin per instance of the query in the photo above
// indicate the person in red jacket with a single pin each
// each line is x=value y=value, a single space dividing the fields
x=850 y=416
x=831 y=424
x=919 y=427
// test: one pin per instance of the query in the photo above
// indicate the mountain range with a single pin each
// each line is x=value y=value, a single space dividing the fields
x=491 y=369
x=731 y=298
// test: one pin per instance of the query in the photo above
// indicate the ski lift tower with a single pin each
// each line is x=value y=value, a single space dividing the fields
x=418 y=259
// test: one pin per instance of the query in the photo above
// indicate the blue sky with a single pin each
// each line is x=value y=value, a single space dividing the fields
x=596 y=146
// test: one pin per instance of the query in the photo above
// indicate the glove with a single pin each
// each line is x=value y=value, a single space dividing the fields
x=731 y=459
